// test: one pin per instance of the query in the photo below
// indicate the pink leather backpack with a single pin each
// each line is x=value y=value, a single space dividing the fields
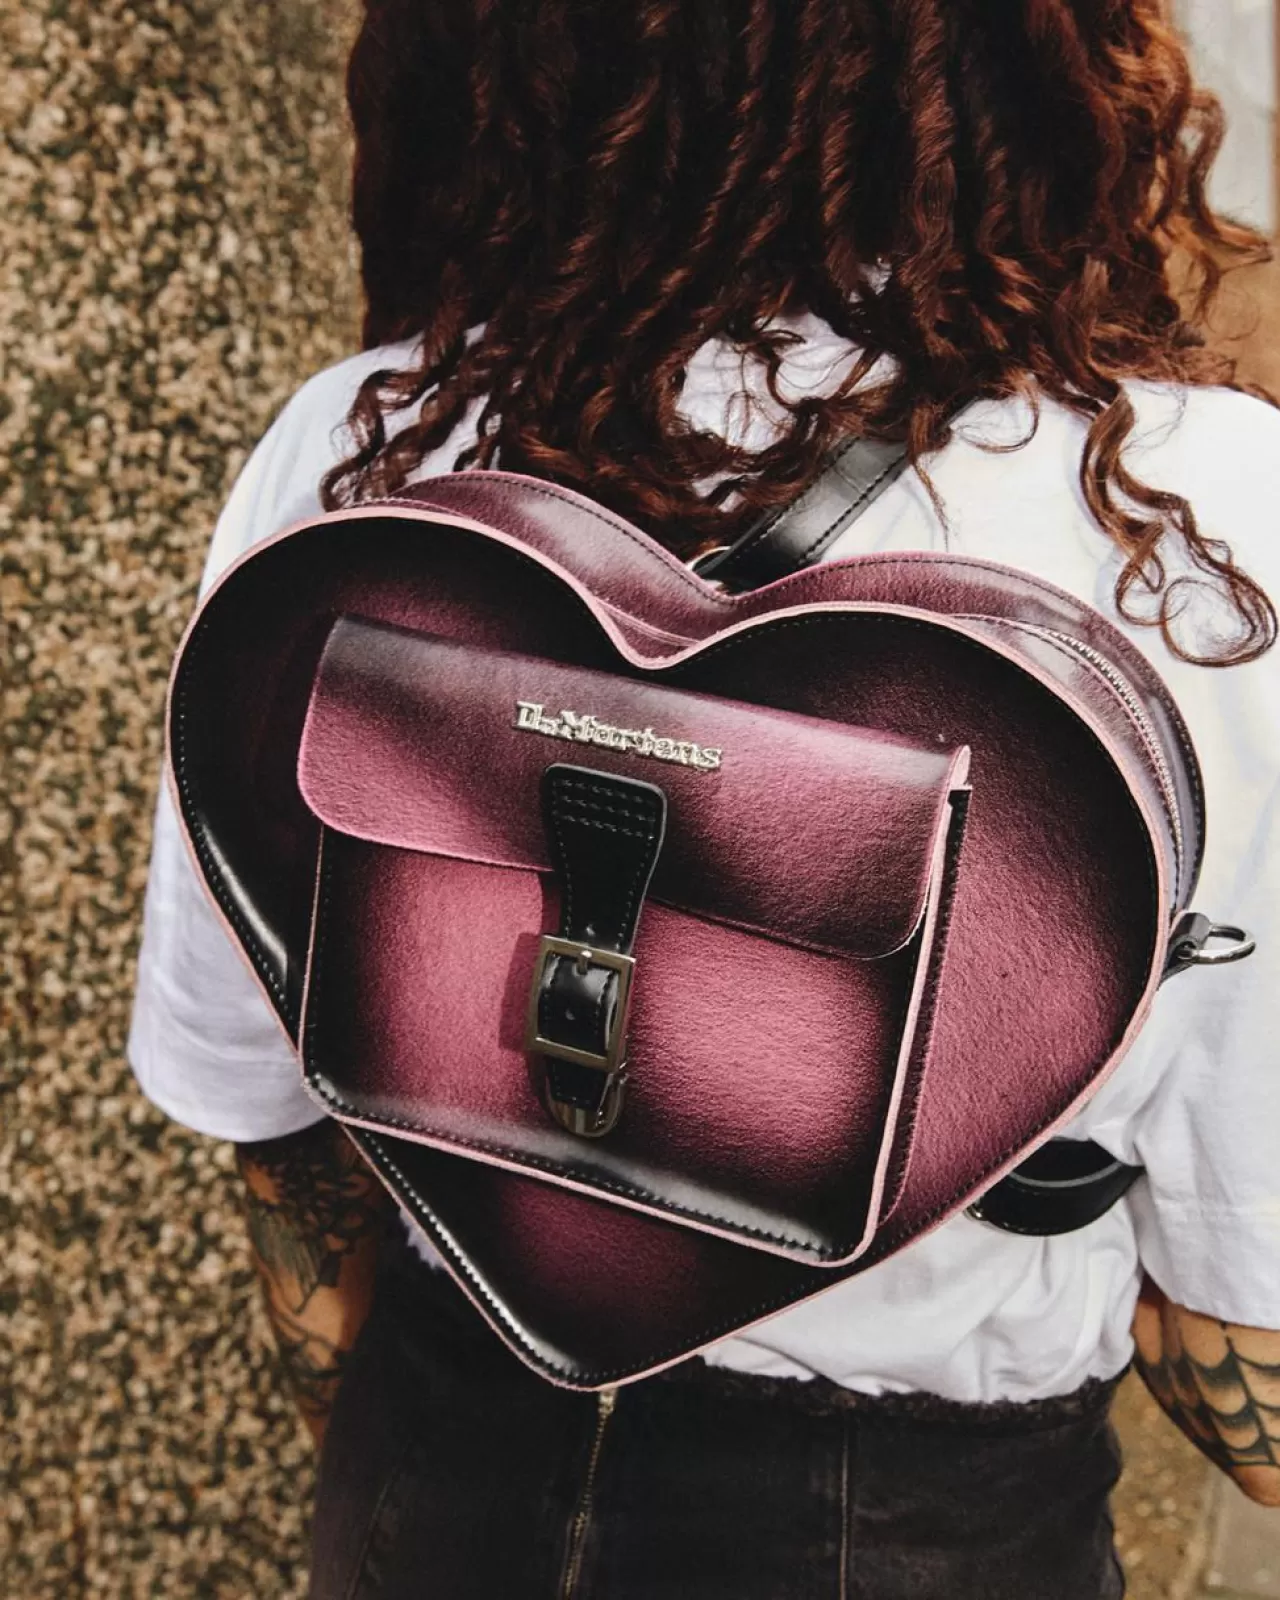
x=676 y=945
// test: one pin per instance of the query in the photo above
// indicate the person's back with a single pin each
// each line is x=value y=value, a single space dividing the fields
x=590 y=230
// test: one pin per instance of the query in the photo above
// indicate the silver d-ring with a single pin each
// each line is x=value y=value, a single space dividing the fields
x=695 y=566
x=1242 y=946
x=708 y=556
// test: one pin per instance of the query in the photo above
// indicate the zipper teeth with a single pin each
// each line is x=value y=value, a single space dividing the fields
x=1145 y=726
x=578 y=1532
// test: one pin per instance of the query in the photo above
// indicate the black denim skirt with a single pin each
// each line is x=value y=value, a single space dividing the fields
x=450 y=1472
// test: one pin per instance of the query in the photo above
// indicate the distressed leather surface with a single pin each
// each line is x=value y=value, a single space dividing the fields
x=1059 y=921
x=760 y=1075
x=771 y=1023
x=809 y=830
x=628 y=573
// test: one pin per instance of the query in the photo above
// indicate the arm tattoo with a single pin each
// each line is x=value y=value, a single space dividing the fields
x=323 y=1205
x=1226 y=1400
x=312 y=1365
x=315 y=1213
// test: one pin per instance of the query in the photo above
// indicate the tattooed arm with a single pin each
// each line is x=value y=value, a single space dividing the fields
x=1220 y=1383
x=315 y=1213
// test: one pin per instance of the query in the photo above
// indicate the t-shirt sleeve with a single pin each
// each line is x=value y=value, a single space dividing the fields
x=1203 y=1118
x=204 y=1043
x=1197 y=1103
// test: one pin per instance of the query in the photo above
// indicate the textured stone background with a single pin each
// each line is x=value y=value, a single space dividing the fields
x=173 y=262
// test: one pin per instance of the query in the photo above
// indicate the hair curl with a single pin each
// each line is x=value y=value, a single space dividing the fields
x=994 y=194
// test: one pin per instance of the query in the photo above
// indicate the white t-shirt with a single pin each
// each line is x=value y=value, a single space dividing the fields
x=967 y=1312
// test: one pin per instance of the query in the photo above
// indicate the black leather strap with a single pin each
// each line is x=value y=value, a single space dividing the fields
x=800 y=534
x=1064 y=1186
x=605 y=834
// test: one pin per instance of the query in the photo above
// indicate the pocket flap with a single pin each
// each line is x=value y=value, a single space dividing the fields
x=811 y=832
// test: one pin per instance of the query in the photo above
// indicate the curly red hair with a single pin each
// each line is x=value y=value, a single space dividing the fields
x=994 y=194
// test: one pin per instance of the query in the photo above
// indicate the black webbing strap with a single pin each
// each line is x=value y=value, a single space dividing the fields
x=1067 y=1183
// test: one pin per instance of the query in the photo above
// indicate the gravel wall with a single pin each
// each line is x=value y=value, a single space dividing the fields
x=173 y=262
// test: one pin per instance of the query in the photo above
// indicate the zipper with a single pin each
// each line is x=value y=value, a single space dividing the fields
x=606 y=1400
x=1138 y=712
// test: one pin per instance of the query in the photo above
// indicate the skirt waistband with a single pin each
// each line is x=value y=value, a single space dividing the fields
x=819 y=1396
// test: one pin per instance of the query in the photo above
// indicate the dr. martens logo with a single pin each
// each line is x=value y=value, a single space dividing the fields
x=532 y=717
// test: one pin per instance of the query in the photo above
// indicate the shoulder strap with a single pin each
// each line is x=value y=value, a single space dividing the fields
x=1065 y=1185
x=800 y=534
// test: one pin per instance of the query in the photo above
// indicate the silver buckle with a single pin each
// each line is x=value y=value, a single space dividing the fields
x=577 y=1119
x=584 y=956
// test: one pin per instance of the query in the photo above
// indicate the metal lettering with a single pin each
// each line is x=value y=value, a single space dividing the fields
x=584 y=728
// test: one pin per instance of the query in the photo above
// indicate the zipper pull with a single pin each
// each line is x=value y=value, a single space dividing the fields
x=1190 y=940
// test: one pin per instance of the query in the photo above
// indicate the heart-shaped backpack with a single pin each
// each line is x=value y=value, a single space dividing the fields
x=677 y=944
